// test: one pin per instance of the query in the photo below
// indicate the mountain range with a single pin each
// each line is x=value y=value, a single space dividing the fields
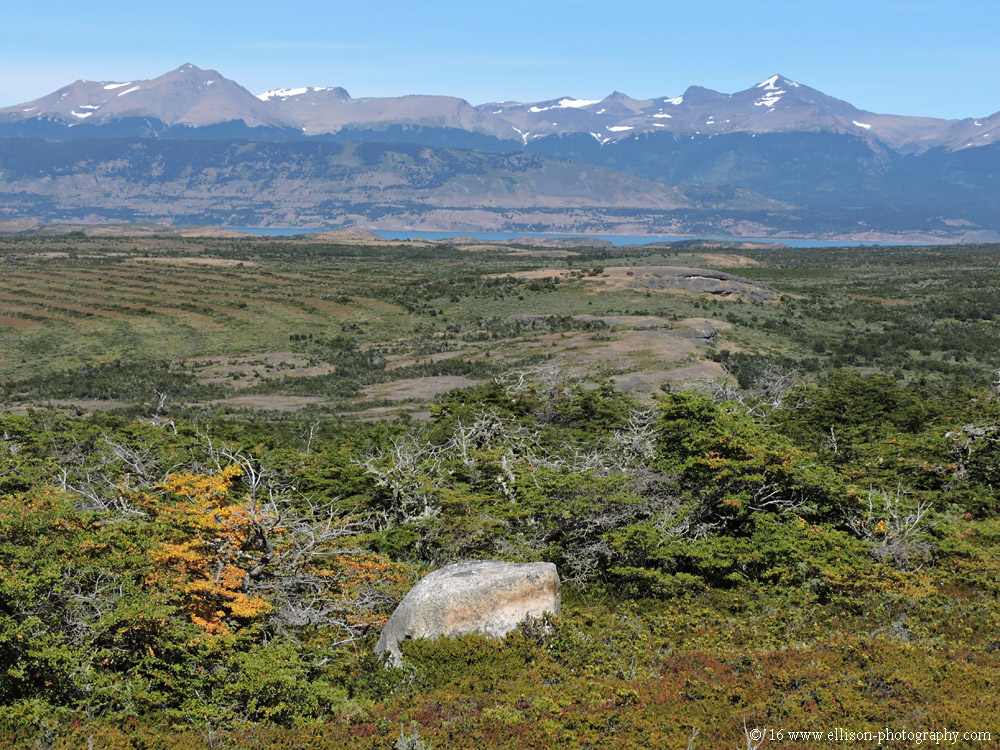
x=777 y=158
x=195 y=98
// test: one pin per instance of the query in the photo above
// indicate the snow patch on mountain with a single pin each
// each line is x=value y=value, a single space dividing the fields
x=113 y=86
x=770 y=99
x=282 y=93
x=578 y=103
x=864 y=125
x=287 y=93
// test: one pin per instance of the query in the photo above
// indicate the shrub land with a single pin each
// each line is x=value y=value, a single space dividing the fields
x=802 y=536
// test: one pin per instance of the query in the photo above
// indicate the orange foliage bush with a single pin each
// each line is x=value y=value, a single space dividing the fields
x=209 y=561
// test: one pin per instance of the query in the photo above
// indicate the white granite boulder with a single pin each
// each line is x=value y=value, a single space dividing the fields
x=481 y=596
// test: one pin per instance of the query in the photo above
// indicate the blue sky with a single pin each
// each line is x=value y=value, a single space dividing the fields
x=912 y=57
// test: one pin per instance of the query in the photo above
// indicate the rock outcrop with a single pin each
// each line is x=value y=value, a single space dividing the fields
x=481 y=596
x=700 y=281
x=699 y=331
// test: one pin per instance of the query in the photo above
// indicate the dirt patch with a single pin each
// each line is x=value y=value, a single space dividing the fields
x=696 y=373
x=693 y=375
x=418 y=388
x=394 y=361
x=381 y=413
x=644 y=345
x=9 y=321
x=251 y=369
x=639 y=358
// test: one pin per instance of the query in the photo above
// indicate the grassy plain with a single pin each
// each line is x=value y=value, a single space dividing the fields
x=237 y=318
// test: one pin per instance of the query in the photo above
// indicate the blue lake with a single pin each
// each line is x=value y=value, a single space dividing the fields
x=615 y=239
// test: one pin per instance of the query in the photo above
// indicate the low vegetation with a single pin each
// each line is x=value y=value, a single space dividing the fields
x=806 y=543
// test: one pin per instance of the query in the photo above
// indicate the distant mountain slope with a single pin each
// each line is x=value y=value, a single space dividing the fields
x=185 y=96
x=835 y=174
x=195 y=98
x=289 y=183
x=776 y=105
x=778 y=157
x=327 y=110
x=328 y=184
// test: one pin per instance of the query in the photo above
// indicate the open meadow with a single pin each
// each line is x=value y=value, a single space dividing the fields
x=92 y=322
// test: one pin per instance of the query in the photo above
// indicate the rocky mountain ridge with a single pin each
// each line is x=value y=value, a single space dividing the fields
x=775 y=105
x=195 y=98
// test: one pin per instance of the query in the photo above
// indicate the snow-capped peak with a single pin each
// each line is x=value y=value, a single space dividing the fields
x=775 y=82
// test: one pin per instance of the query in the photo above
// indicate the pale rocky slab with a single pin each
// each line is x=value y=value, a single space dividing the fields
x=482 y=596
